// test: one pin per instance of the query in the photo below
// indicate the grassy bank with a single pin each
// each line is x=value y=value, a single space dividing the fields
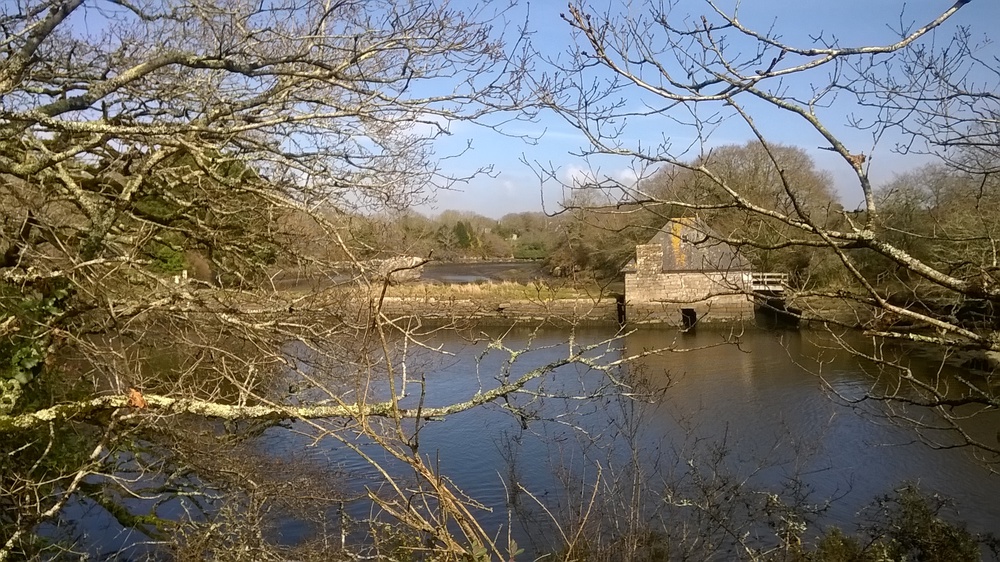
x=498 y=290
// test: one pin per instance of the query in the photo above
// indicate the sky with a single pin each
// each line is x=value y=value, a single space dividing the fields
x=515 y=186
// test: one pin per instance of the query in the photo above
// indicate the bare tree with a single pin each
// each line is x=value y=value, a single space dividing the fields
x=705 y=73
x=161 y=165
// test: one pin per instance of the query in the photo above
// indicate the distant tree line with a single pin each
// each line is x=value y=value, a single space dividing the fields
x=943 y=214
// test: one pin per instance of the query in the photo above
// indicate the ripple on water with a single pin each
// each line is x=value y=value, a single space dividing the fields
x=777 y=410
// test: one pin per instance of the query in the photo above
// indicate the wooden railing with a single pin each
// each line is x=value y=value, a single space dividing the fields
x=768 y=282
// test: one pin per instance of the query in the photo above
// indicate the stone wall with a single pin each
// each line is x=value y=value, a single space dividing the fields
x=654 y=296
x=648 y=260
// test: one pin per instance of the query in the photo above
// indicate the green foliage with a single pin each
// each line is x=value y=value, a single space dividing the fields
x=913 y=529
x=456 y=235
x=27 y=317
x=835 y=546
x=905 y=526
x=166 y=258
x=10 y=393
x=464 y=235
x=155 y=208
x=602 y=242
x=534 y=250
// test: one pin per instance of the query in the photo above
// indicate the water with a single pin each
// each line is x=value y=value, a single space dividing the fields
x=768 y=413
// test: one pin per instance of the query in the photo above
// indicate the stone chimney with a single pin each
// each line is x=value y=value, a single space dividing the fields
x=648 y=259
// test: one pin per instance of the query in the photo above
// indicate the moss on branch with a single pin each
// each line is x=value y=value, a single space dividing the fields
x=165 y=405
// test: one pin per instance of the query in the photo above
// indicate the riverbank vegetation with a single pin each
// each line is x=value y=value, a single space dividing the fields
x=503 y=290
x=164 y=164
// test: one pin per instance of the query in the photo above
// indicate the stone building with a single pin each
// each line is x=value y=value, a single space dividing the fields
x=683 y=276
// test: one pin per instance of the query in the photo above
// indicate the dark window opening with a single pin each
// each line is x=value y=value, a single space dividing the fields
x=688 y=318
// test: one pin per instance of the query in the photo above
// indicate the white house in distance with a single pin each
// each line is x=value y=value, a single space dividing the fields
x=683 y=275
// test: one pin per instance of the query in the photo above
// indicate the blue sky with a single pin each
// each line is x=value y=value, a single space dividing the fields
x=517 y=188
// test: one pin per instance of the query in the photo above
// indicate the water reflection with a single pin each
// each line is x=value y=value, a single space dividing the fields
x=765 y=408
x=779 y=388
x=698 y=438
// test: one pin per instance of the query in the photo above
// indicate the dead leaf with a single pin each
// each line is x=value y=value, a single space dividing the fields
x=135 y=399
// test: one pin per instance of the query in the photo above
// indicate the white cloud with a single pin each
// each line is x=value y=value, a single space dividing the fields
x=577 y=176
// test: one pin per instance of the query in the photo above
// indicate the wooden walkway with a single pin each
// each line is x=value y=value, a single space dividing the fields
x=769 y=283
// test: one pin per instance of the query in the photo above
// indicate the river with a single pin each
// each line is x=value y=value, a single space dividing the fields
x=741 y=416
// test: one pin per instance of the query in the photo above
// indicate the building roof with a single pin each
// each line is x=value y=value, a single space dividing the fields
x=690 y=245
